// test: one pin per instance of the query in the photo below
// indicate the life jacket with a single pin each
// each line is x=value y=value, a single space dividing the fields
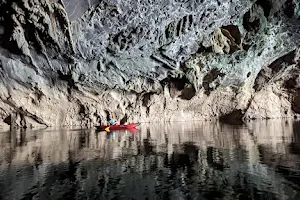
x=112 y=121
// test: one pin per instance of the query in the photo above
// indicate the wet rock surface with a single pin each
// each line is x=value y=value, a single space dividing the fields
x=72 y=62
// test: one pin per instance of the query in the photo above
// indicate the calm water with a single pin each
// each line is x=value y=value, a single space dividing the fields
x=202 y=160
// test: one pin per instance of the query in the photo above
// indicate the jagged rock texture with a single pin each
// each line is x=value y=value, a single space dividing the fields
x=73 y=62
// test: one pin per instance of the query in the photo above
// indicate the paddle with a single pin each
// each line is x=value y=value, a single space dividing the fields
x=107 y=129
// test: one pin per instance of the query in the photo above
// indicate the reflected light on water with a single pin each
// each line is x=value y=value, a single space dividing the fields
x=201 y=160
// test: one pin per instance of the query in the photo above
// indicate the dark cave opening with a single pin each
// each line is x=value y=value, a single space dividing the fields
x=289 y=8
x=251 y=25
x=234 y=32
x=266 y=5
x=179 y=87
x=146 y=98
x=69 y=79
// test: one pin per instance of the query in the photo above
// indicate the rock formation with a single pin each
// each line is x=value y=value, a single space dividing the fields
x=66 y=62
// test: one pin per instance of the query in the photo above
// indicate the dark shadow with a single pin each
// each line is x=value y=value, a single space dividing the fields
x=289 y=8
x=295 y=144
x=234 y=32
x=209 y=78
x=266 y=5
x=264 y=76
x=233 y=118
x=182 y=88
x=124 y=119
x=211 y=159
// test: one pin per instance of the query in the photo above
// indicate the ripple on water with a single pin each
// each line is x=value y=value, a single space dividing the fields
x=203 y=160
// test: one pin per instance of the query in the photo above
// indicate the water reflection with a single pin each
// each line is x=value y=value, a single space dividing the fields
x=201 y=160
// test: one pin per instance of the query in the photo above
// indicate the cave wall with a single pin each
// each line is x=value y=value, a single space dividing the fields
x=72 y=62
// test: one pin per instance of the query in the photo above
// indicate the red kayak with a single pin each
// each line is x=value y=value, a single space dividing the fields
x=117 y=127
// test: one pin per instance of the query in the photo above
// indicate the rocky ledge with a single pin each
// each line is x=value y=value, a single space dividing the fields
x=66 y=62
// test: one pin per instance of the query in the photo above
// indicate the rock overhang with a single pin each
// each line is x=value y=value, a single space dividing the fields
x=200 y=59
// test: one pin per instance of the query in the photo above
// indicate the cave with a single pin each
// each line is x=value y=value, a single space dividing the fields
x=266 y=5
x=289 y=8
x=181 y=87
x=72 y=54
x=205 y=95
x=234 y=32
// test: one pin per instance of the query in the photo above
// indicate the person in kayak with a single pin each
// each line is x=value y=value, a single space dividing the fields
x=112 y=121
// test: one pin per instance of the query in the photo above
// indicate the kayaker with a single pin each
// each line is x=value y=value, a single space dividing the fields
x=112 y=121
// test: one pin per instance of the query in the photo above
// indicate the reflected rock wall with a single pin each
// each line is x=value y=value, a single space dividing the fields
x=204 y=153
